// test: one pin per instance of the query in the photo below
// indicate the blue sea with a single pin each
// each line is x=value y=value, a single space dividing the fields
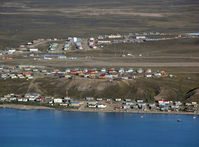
x=49 y=128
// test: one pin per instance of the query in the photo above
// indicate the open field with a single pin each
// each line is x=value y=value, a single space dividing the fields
x=23 y=20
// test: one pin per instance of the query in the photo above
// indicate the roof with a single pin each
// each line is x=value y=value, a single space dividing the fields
x=75 y=102
x=40 y=98
x=193 y=34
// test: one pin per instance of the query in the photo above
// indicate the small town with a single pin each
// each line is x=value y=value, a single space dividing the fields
x=56 y=46
x=99 y=73
x=30 y=71
x=101 y=104
x=55 y=50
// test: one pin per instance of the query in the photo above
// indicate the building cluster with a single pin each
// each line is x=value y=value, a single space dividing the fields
x=37 y=98
x=29 y=71
x=75 y=40
x=132 y=37
x=103 y=103
x=31 y=46
x=91 y=43
x=20 y=71
x=112 y=73
x=57 y=45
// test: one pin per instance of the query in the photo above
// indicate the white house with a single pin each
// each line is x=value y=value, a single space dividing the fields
x=101 y=106
x=33 y=49
x=58 y=100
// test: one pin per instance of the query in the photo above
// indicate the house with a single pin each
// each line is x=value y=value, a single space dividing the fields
x=125 y=78
x=100 y=37
x=148 y=70
x=103 y=41
x=19 y=99
x=151 y=106
x=32 y=95
x=27 y=73
x=30 y=77
x=109 y=76
x=31 y=99
x=103 y=70
x=35 y=70
x=92 y=46
x=139 y=70
x=89 y=98
x=157 y=74
x=121 y=70
x=39 y=99
x=33 y=49
x=126 y=107
x=13 y=99
x=43 y=71
x=101 y=106
x=130 y=70
x=140 y=101
x=27 y=69
x=177 y=103
x=127 y=100
x=61 y=57
x=22 y=47
x=128 y=103
x=114 y=36
x=194 y=103
x=86 y=76
x=135 y=107
x=99 y=99
x=188 y=104
x=75 y=71
x=24 y=99
x=148 y=75
x=3 y=99
x=117 y=107
x=92 y=72
x=142 y=105
x=112 y=71
x=67 y=100
x=11 y=51
x=57 y=100
x=92 y=104
x=85 y=70
x=66 y=46
x=78 y=45
x=102 y=76
x=65 y=105
x=74 y=104
x=165 y=108
x=174 y=107
x=67 y=70
x=118 y=99
x=140 y=37
x=162 y=102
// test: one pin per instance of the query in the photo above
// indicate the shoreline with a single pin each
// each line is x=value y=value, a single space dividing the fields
x=25 y=107
x=31 y=107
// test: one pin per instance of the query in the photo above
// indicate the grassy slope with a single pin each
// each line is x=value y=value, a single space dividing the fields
x=171 y=89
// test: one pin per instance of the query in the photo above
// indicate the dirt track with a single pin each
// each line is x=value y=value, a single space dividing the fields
x=142 y=64
x=93 y=63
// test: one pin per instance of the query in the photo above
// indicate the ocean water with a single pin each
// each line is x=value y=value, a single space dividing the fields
x=48 y=128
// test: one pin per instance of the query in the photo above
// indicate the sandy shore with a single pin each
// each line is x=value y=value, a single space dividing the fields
x=29 y=107
x=25 y=107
